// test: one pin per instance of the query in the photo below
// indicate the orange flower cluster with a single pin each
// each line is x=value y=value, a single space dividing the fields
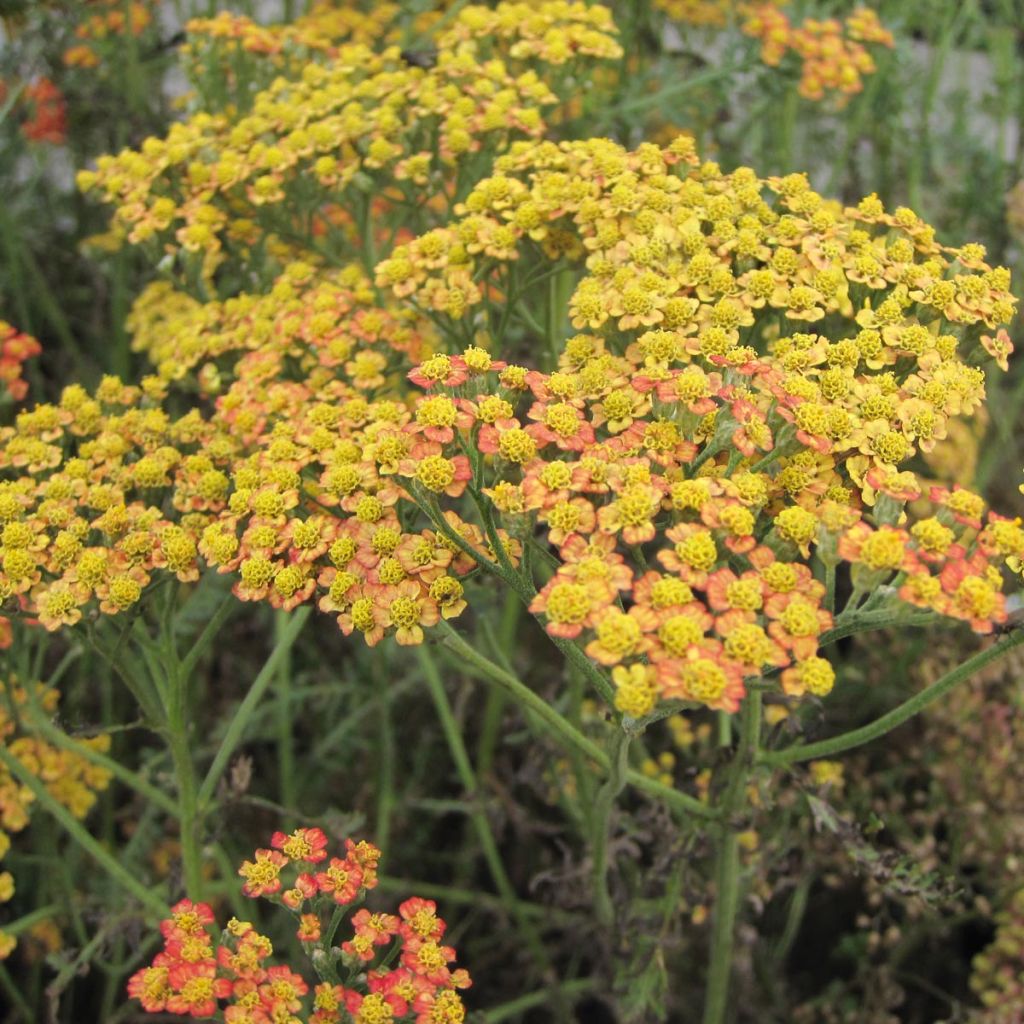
x=699 y=439
x=196 y=973
x=832 y=53
x=67 y=775
x=110 y=19
x=357 y=124
x=16 y=348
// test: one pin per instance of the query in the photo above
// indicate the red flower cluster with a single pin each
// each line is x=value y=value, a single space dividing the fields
x=197 y=975
x=47 y=120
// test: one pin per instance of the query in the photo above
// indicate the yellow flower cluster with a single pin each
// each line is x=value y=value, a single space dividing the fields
x=750 y=370
x=332 y=315
x=294 y=484
x=757 y=367
x=554 y=32
x=67 y=775
x=229 y=56
x=699 y=423
x=320 y=29
x=360 y=124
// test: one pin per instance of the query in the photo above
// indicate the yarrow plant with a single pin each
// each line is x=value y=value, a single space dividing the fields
x=407 y=345
x=699 y=415
x=392 y=967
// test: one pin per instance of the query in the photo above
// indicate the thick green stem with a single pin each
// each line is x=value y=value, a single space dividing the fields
x=898 y=715
x=559 y=728
x=285 y=733
x=185 y=775
x=727 y=864
x=246 y=709
x=481 y=824
x=605 y=804
x=59 y=738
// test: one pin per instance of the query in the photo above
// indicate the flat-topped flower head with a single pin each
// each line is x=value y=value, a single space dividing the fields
x=202 y=972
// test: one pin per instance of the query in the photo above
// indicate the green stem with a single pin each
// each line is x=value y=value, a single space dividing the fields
x=189 y=819
x=851 y=622
x=512 y=1009
x=666 y=709
x=794 y=918
x=22 y=924
x=787 y=129
x=526 y=592
x=605 y=803
x=558 y=727
x=367 y=242
x=830 y=587
x=285 y=735
x=898 y=715
x=727 y=865
x=135 y=678
x=208 y=635
x=386 y=771
x=496 y=700
x=59 y=738
x=575 y=656
x=236 y=729
x=164 y=662
x=481 y=824
x=77 y=831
